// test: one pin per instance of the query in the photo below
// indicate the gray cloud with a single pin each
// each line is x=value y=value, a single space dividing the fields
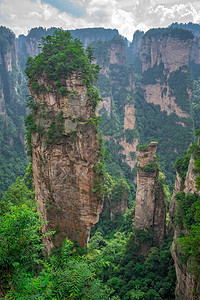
x=67 y=6
x=126 y=16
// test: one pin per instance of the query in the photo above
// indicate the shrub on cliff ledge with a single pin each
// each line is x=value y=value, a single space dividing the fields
x=150 y=167
x=60 y=57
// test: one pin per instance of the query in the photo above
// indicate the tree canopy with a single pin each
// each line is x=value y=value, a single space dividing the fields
x=60 y=57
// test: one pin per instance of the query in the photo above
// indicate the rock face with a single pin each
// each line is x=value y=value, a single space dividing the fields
x=187 y=285
x=154 y=94
x=172 y=51
x=136 y=43
x=129 y=148
x=116 y=85
x=64 y=168
x=161 y=55
x=110 y=55
x=129 y=116
x=149 y=208
x=28 y=45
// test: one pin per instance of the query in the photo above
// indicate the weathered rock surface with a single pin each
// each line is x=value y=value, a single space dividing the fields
x=187 y=287
x=63 y=169
x=190 y=183
x=129 y=148
x=106 y=103
x=113 y=63
x=149 y=208
x=129 y=116
x=154 y=94
x=114 y=56
x=172 y=53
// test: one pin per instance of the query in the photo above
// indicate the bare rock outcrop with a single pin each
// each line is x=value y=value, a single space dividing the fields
x=149 y=208
x=66 y=163
x=129 y=116
x=162 y=54
x=174 y=52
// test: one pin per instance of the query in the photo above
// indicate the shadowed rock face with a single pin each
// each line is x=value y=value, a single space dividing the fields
x=149 y=208
x=188 y=286
x=63 y=168
x=116 y=201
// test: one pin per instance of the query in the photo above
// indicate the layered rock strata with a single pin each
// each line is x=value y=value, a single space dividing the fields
x=66 y=163
x=150 y=211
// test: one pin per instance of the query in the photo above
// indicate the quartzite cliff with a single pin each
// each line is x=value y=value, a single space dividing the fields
x=149 y=206
x=63 y=172
x=66 y=151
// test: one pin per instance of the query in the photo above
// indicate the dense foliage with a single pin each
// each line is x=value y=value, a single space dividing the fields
x=173 y=138
x=196 y=103
x=129 y=274
x=181 y=165
x=112 y=268
x=60 y=57
x=154 y=75
x=180 y=82
x=13 y=161
x=188 y=220
x=187 y=217
x=174 y=32
x=194 y=28
x=25 y=273
x=114 y=86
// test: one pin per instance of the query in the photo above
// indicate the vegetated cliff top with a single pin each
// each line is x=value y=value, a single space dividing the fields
x=194 y=28
x=6 y=38
x=173 y=32
x=60 y=57
x=97 y=33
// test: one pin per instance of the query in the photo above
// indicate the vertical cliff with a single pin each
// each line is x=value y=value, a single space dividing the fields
x=163 y=101
x=183 y=221
x=13 y=160
x=163 y=53
x=28 y=45
x=150 y=212
x=116 y=84
x=66 y=150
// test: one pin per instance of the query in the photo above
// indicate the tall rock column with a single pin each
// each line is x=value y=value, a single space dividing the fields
x=149 y=208
x=66 y=151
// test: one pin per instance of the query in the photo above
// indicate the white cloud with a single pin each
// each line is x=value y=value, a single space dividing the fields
x=179 y=12
x=124 y=15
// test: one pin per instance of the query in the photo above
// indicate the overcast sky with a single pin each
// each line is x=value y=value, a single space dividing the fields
x=125 y=15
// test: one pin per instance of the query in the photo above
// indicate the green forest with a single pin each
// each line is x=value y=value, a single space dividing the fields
x=113 y=266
